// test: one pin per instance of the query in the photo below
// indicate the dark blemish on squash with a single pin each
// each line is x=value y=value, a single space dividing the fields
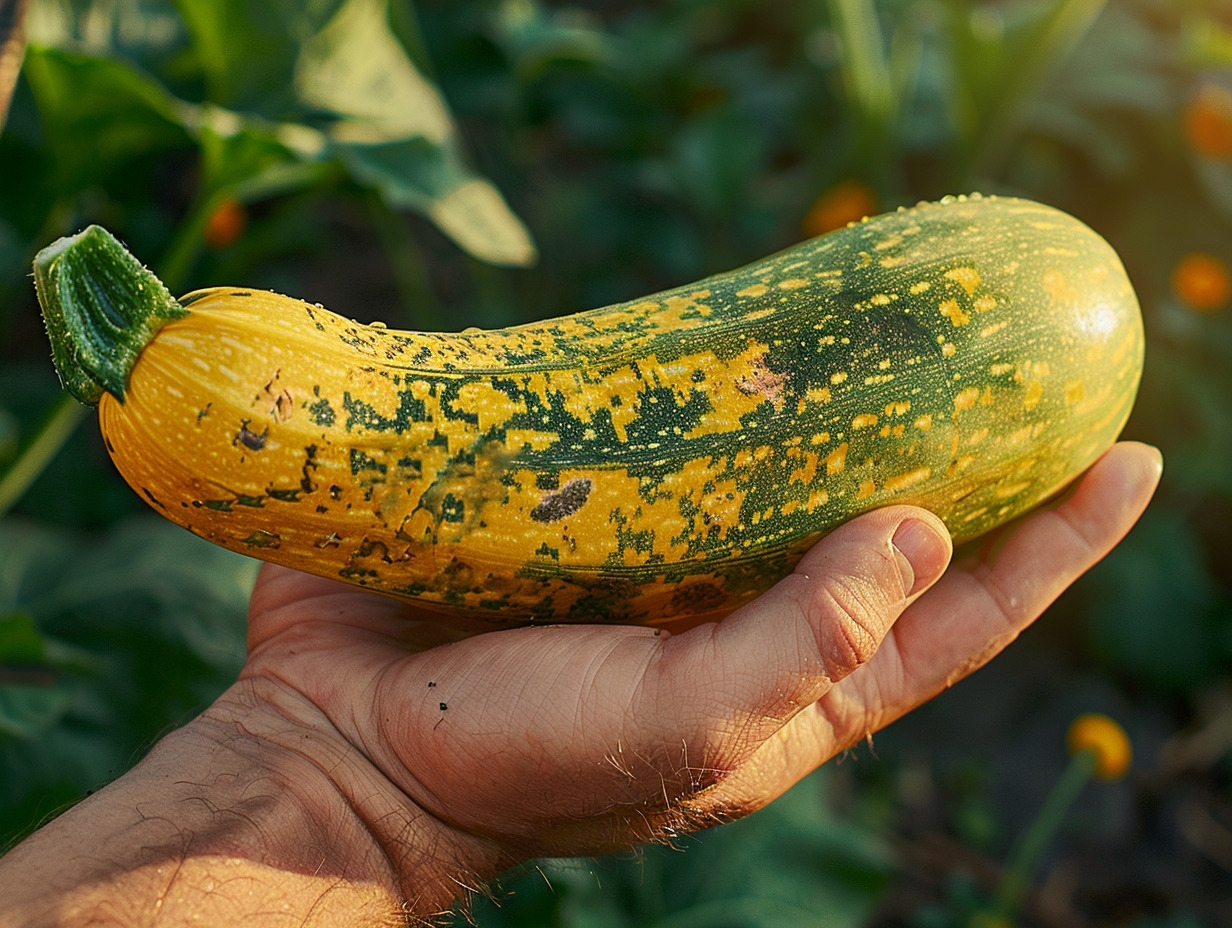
x=241 y=293
x=152 y=498
x=444 y=706
x=370 y=548
x=248 y=438
x=202 y=413
x=564 y=502
x=431 y=683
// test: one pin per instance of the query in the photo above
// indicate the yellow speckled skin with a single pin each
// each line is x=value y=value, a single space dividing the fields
x=669 y=456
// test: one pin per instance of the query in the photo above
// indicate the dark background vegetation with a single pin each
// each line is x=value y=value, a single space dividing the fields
x=351 y=152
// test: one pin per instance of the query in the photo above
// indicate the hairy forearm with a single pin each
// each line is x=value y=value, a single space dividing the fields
x=246 y=815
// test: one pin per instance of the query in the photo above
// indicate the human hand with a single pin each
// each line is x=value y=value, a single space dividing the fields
x=578 y=739
x=374 y=762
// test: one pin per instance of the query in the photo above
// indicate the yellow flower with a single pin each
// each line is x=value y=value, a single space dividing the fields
x=1202 y=282
x=849 y=201
x=1104 y=738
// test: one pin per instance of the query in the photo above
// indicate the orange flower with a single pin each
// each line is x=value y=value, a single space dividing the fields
x=1208 y=121
x=849 y=201
x=1104 y=738
x=226 y=224
x=1202 y=282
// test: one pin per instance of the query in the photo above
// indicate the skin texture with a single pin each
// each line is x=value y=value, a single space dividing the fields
x=366 y=771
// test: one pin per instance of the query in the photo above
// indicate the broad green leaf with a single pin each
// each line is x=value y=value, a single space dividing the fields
x=357 y=69
x=476 y=216
x=141 y=627
x=1151 y=612
x=99 y=114
x=247 y=48
x=428 y=178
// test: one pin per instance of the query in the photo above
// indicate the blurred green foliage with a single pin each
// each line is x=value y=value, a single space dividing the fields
x=440 y=164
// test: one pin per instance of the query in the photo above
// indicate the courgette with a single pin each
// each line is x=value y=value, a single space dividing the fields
x=667 y=456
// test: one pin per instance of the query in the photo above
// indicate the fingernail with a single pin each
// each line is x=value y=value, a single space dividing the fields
x=921 y=552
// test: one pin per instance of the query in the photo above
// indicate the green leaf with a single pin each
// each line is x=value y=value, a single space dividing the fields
x=99 y=115
x=142 y=627
x=428 y=178
x=1152 y=608
x=26 y=711
x=392 y=128
x=247 y=48
x=20 y=641
x=356 y=69
x=793 y=863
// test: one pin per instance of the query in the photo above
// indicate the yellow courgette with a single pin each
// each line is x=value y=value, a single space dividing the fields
x=667 y=456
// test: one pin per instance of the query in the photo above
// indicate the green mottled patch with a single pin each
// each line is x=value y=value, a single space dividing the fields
x=262 y=539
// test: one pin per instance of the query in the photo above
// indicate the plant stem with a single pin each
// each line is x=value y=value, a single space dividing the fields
x=406 y=261
x=178 y=260
x=1067 y=25
x=1029 y=850
x=866 y=70
x=40 y=448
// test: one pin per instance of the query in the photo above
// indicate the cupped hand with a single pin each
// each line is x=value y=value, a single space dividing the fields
x=579 y=739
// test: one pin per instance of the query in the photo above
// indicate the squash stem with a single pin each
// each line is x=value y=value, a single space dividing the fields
x=101 y=306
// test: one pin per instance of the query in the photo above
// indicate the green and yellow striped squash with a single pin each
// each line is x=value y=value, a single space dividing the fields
x=668 y=456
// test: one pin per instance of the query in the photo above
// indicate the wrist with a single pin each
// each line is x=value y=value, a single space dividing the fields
x=258 y=810
x=365 y=829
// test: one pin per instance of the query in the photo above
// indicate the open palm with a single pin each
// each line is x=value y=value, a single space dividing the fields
x=578 y=739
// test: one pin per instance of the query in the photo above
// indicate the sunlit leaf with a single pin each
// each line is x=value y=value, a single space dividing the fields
x=420 y=175
x=356 y=69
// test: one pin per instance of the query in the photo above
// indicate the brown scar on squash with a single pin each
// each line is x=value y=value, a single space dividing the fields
x=558 y=504
x=763 y=381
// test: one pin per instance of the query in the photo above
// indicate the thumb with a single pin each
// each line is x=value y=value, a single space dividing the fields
x=740 y=680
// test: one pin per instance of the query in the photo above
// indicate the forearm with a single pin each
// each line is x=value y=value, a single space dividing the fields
x=243 y=816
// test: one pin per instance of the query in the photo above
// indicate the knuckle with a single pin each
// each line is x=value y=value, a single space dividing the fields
x=845 y=615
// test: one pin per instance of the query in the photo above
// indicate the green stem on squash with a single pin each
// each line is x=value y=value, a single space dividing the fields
x=101 y=306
